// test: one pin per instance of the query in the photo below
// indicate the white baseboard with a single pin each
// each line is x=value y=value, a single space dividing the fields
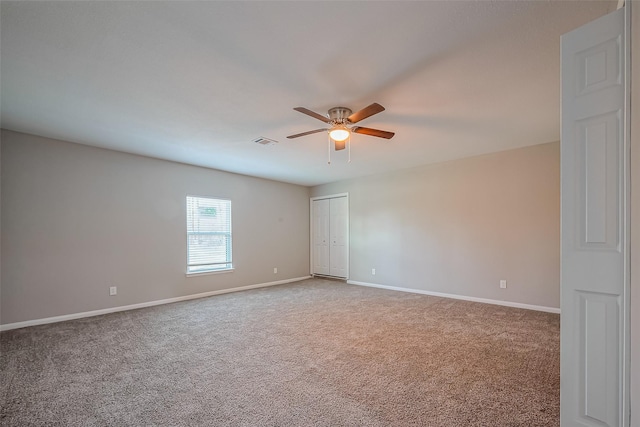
x=65 y=317
x=461 y=297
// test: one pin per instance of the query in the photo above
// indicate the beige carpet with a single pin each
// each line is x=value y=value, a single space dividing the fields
x=312 y=353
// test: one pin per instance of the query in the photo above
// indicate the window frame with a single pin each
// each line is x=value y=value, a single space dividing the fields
x=225 y=267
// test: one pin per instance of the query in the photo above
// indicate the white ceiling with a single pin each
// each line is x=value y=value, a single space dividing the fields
x=196 y=82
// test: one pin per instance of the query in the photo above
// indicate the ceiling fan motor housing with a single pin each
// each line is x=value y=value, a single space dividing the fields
x=339 y=114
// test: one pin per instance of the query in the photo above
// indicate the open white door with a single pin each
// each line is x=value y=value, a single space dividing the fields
x=595 y=230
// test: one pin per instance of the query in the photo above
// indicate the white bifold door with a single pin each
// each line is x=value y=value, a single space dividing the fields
x=330 y=236
x=595 y=230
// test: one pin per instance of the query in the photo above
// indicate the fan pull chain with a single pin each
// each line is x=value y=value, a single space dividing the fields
x=349 y=148
x=329 y=140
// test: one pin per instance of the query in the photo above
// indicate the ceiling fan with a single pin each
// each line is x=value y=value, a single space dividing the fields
x=342 y=120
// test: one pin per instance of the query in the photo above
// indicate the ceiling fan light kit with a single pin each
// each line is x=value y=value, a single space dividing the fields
x=341 y=120
x=339 y=133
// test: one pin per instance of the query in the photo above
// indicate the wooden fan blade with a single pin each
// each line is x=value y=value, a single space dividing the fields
x=312 y=114
x=365 y=112
x=340 y=145
x=306 y=133
x=373 y=132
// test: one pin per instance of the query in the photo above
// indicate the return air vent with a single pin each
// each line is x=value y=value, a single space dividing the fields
x=265 y=141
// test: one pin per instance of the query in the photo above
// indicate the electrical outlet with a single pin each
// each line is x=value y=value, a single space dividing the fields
x=503 y=284
x=373 y=271
x=275 y=270
x=113 y=290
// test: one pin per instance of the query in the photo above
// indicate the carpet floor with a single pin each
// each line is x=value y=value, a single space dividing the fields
x=311 y=353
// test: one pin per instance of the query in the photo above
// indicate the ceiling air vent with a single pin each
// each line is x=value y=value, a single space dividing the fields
x=265 y=141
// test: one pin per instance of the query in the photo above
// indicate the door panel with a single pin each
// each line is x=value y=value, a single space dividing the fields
x=599 y=154
x=321 y=237
x=339 y=225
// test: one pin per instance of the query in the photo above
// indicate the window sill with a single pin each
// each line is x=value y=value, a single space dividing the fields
x=206 y=273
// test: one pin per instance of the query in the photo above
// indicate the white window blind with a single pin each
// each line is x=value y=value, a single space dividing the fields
x=208 y=234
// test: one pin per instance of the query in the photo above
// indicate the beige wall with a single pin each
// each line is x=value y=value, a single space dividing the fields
x=78 y=219
x=460 y=227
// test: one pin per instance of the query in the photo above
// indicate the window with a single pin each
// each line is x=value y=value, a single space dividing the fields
x=208 y=234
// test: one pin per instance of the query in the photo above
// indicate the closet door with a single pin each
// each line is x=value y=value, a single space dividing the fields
x=321 y=236
x=339 y=248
